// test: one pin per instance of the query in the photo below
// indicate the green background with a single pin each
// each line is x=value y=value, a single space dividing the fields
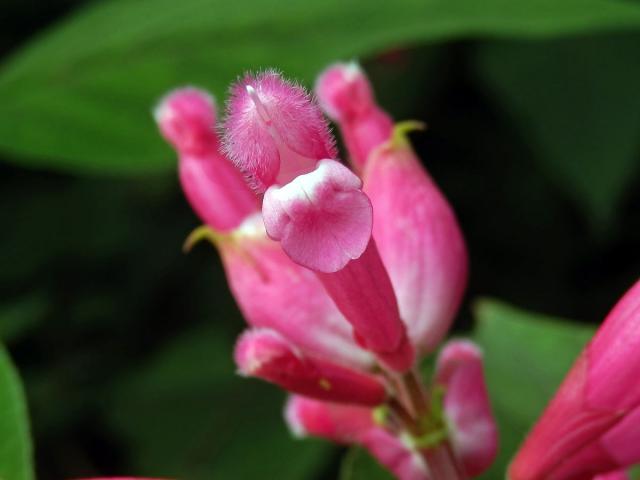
x=124 y=344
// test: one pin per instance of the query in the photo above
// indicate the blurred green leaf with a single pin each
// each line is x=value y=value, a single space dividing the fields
x=576 y=100
x=15 y=447
x=526 y=357
x=188 y=415
x=78 y=98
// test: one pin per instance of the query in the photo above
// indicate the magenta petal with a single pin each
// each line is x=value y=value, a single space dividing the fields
x=186 y=118
x=337 y=422
x=419 y=241
x=215 y=189
x=346 y=96
x=585 y=430
x=622 y=441
x=614 y=357
x=405 y=463
x=274 y=128
x=276 y=293
x=467 y=406
x=322 y=219
x=265 y=354
x=615 y=475
x=363 y=293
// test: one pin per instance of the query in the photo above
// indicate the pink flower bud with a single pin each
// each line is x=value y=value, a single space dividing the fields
x=274 y=292
x=466 y=404
x=591 y=425
x=348 y=424
x=265 y=354
x=274 y=132
x=346 y=96
x=419 y=241
x=337 y=422
x=402 y=460
x=215 y=189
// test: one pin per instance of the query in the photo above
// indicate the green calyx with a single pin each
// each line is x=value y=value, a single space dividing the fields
x=380 y=415
x=203 y=232
x=433 y=425
x=399 y=137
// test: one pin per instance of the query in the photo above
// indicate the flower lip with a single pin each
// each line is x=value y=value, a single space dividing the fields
x=274 y=131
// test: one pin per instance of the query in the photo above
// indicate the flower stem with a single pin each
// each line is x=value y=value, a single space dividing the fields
x=415 y=393
x=443 y=463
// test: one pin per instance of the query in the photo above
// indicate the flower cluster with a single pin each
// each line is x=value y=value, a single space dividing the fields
x=347 y=277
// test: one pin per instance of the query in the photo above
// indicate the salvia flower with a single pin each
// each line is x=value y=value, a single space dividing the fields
x=591 y=425
x=314 y=206
x=217 y=191
x=345 y=278
x=346 y=96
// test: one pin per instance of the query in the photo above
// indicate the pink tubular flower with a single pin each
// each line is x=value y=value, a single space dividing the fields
x=591 y=425
x=466 y=405
x=265 y=354
x=346 y=96
x=419 y=240
x=216 y=191
x=415 y=229
x=314 y=206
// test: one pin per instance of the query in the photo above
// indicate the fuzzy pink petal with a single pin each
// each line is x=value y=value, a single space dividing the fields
x=274 y=131
x=274 y=292
x=467 y=406
x=322 y=219
x=265 y=354
x=345 y=95
x=336 y=422
x=419 y=241
x=215 y=189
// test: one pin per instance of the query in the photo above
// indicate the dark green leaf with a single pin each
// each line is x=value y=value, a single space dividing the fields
x=576 y=102
x=187 y=413
x=79 y=97
x=526 y=357
x=15 y=446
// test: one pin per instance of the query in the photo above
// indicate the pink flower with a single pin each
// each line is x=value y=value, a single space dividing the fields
x=314 y=206
x=216 y=191
x=266 y=354
x=419 y=240
x=346 y=97
x=466 y=404
x=591 y=425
